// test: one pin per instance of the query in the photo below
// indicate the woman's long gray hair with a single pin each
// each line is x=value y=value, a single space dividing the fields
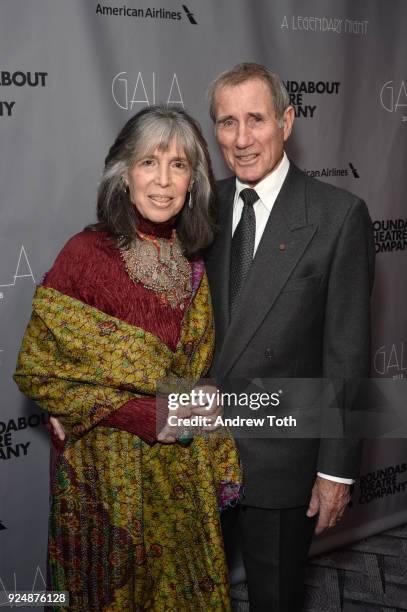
x=153 y=128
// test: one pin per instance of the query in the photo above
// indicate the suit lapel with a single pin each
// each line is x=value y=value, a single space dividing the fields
x=218 y=260
x=285 y=238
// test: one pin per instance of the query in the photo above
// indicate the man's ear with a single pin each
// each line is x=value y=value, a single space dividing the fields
x=288 y=120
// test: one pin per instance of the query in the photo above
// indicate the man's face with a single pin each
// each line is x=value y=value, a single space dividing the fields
x=248 y=133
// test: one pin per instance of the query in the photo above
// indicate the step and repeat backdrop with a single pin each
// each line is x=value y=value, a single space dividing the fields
x=73 y=71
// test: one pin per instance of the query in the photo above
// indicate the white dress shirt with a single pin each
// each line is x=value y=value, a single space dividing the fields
x=268 y=190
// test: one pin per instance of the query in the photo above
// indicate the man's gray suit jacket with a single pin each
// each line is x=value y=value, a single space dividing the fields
x=303 y=313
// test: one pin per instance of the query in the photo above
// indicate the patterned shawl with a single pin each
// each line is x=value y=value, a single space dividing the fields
x=118 y=505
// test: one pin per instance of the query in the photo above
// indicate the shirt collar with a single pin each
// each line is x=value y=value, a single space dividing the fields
x=268 y=188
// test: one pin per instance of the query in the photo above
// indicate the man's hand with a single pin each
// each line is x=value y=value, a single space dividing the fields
x=328 y=499
x=209 y=407
x=57 y=429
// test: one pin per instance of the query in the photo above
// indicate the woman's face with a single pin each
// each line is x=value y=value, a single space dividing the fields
x=159 y=183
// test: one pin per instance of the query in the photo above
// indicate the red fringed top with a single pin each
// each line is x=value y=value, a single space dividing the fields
x=90 y=269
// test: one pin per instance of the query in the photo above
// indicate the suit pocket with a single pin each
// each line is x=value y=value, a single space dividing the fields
x=301 y=284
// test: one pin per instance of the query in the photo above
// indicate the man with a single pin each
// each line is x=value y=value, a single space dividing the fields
x=290 y=273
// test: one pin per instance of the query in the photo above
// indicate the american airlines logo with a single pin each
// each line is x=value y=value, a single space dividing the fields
x=348 y=170
x=168 y=14
x=189 y=15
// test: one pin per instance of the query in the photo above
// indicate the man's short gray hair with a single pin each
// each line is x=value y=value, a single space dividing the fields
x=246 y=72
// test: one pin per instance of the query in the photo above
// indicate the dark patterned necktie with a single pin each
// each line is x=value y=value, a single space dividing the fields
x=242 y=246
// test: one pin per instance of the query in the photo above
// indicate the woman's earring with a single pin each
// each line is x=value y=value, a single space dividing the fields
x=190 y=201
x=126 y=187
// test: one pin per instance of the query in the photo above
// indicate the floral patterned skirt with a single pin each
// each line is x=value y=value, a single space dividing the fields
x=136 y=527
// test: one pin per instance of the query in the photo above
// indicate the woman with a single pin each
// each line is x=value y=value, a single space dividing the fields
x=134 y=522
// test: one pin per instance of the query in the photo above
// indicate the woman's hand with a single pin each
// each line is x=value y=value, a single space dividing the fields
x=171 y=433
x=205 y=406
x=57 y=429
x=209 y=407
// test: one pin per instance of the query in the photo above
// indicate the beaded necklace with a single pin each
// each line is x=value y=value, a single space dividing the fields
x=159 y=264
